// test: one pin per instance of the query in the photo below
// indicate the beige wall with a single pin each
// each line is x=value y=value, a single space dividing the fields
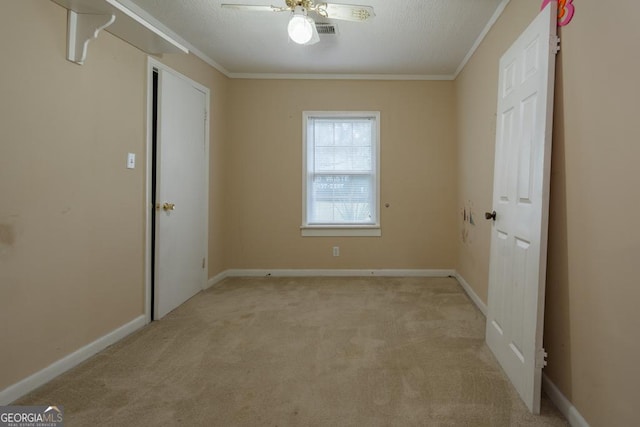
x=72 y=221
x=594 y=246
x=476 y=91
x=418 y=180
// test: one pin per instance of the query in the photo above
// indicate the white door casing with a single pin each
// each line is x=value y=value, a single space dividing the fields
x=515 y=312
x=182 y=181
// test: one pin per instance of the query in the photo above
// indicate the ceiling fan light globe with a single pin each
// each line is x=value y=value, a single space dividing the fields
x=300 y=28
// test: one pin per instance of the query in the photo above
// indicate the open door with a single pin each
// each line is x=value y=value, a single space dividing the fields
x=515 y=312
x=181 y=192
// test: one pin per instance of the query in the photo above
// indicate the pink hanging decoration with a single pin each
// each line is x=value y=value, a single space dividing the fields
x=566 y=10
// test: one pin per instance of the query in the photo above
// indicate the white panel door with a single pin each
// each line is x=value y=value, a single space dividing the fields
x=181 y=209
x=521 y=204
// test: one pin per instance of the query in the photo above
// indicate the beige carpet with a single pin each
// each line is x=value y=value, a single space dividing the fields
x=302 y=352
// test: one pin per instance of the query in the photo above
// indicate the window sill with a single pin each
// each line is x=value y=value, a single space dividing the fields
x=341 y=231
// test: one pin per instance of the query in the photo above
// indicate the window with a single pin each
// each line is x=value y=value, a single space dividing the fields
x=341 y=178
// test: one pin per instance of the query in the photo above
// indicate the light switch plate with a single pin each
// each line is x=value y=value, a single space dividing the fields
x=131 y=161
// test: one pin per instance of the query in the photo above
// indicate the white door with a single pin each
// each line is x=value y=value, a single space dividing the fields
x=181 y=193
x=517 y=270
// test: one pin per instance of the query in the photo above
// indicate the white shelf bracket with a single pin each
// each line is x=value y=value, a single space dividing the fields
x=81 y=29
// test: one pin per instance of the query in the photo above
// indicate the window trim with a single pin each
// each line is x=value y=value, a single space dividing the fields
x=351 y=230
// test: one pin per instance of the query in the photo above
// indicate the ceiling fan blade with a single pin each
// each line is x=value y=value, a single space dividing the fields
x=346 y=12
x=255 y=8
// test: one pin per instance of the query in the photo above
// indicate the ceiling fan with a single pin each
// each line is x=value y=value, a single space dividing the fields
x=301 y=28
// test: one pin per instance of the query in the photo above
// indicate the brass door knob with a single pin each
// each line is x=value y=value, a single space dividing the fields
x=168 y=206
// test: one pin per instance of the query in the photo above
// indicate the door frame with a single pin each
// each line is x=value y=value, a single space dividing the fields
x=152 y=64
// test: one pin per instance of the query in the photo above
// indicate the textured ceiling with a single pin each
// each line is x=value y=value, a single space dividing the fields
x=424 y=38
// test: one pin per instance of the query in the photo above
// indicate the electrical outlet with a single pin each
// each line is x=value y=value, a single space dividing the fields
x=336 y=251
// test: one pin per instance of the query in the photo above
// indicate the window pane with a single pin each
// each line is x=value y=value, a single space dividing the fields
x=323 y=132
x=361 y=159
x=345 y=159
x=343 y=133
x=362 y=133
x=341 y=199
x=324 y=159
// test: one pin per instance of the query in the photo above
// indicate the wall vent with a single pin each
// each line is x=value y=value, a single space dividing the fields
x=324 y=28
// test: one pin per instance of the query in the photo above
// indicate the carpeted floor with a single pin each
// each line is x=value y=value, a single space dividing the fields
x=302 y=352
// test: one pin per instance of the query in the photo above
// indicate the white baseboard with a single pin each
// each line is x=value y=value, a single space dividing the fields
x=563 y=404
x=338 y=273
x=34 y=381
x=215 y=279
x=469 y=290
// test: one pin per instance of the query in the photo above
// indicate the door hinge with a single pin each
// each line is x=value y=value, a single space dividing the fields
x=203 y=263
x=554 y=42
x=541 y=358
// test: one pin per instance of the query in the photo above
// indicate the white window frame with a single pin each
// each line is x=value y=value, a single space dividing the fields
x=368 y=230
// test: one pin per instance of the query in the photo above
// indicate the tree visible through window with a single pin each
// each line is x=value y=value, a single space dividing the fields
x=341 y=169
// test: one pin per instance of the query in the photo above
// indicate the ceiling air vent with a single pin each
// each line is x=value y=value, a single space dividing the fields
x=324 y=29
